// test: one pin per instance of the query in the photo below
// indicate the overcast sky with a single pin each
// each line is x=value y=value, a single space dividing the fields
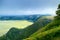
x=28 y=7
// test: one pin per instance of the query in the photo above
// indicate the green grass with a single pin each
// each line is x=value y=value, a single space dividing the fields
x=49 y=32
x=6 y=25
x=13 y=34
x=47 y=35
x=47 y=27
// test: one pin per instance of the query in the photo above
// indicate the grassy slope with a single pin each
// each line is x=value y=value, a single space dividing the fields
x=48 y=27
x=29 y=30
x=40 y=23
x=49 y=32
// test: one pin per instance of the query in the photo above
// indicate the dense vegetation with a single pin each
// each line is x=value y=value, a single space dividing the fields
x=37 y=31
x=49 y=32
x=19 y=34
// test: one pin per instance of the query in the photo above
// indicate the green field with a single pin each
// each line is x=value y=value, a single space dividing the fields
x=6 y=25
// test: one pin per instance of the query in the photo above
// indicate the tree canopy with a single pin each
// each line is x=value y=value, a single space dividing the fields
x=59 y=6
x=58 y=10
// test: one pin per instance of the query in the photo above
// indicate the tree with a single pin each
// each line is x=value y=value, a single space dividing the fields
x=59 y=6
x=58 y=12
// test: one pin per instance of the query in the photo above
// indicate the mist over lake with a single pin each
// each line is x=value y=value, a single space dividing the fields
x=5 y=25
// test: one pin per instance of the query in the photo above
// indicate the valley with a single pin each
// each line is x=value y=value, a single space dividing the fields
x=5 y=25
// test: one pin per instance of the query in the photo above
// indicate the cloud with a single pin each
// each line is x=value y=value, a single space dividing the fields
x=26 y=7
x=29 y=4
x=29 y=12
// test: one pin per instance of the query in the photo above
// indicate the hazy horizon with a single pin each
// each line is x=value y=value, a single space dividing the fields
x=28 y=7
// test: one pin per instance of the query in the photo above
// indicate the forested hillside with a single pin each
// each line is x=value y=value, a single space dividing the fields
x=50 y=31
x=19 y=34
x=45 y=28
x=29 y=20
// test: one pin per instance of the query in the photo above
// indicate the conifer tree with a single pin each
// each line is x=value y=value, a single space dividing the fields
x=58 y=12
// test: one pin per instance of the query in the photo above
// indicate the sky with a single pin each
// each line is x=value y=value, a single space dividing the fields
x=28 y=7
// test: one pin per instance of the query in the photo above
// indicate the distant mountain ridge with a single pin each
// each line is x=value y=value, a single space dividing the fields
x=32 y=18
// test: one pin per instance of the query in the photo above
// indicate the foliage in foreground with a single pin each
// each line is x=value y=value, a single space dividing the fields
x=49 y=32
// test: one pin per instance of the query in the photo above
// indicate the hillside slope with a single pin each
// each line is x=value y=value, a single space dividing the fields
x=19 y=34
x=49 y=32
x=48 y=27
